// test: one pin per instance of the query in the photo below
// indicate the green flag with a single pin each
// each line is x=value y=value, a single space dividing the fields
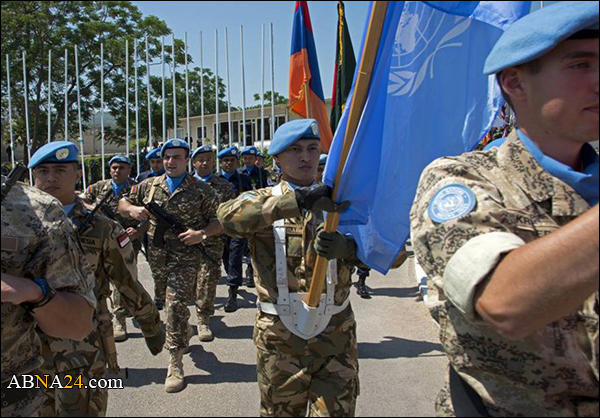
x=345 y=64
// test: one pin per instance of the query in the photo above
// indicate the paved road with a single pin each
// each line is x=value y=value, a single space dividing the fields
x=401 y=367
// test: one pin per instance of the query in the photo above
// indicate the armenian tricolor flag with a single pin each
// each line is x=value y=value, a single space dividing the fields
x=306 y=91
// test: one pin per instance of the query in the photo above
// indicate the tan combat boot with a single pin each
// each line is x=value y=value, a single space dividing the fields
x=120 y=331
x=204 y=332
x=174 y=380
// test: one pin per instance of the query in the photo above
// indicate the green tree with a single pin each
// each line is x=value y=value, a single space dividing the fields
x=279 y=99
x=36 y=27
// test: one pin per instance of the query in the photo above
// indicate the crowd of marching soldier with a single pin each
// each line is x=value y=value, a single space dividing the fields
x=518 y=318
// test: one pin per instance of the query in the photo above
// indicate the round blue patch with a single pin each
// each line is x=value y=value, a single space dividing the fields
x=451 y=202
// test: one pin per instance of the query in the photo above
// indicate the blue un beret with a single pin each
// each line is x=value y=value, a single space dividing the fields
x=202 y=150
x=155 y=153
x=229 y=152
x=250 y=151
x=323 y=159
x=291 y=132
x=55 y=152
x=173 y=144
x=119 y=159
x=540 y=32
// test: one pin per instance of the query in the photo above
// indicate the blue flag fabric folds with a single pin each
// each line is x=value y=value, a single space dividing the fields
x=428 y=98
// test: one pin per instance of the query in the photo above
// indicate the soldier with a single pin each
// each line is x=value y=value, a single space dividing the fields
x=109 y=251
x=45 y=282
x=234 y=247
x=120 y=183
x=209 y=273
x=258 y=175
x=509 y=236
x=298 y=367
x=176 y=256
x=156 y=166
x=321 y=169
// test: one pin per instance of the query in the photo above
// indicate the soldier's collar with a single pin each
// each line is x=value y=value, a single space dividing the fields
x=539 y=184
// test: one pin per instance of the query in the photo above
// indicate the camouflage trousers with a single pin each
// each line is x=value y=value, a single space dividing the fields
x=292 y=385
x=77 y=401
x=120 y=310
x=206 y=283
x=157 y=258
x=26 y=402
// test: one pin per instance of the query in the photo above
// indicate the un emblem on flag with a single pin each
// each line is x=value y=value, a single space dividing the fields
x=422 y=33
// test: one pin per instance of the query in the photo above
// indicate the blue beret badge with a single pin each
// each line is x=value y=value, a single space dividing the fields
x=176 y=143
x=451 y=202
x=315 y=128
x=62 y=154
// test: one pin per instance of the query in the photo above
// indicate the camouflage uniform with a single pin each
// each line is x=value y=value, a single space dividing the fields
x=209 y=274
x=292 y=372
x=110 y=253
x=555 y=370
x=37 y=241
x=194 y=204
x=93 y=195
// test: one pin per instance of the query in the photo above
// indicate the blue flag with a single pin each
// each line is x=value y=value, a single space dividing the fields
x=428 y=98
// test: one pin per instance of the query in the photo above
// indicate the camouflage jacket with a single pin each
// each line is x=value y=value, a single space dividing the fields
x=95 y=192
x=555 y=370
x=223 y=188
x=37 y=241
x=110 y=253
x=252 y=216
x=193 y=204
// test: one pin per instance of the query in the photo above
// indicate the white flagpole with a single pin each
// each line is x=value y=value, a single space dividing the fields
x=26 y=99
x=262 y=93
x=66 y=133
x=244 y=134
x=103 y=164
x=148 y=95
x=137 y=105
x=164 y=111
x=202 y=91
x=217 y=141
x=174 y=88
x=10 y=119
x=79 y=118
x=272 y=124
x=127 y=144
x=49 y=94
x=229 y=124
x=187 y=100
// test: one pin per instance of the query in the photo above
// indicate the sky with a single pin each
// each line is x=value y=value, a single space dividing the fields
x=206 y=16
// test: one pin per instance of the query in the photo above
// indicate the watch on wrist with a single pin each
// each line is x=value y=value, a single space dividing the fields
x=47 y=292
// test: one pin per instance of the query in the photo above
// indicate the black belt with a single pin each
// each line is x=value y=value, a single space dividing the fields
x=11 y=396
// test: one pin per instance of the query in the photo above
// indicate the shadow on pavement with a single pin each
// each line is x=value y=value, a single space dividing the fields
x=395 y=292
x=219 y=372
x=225 y=332
x=394 y=347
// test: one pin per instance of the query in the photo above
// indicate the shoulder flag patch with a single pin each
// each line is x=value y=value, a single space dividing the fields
x=249 y=196
x=452 y=202
x=123 y=240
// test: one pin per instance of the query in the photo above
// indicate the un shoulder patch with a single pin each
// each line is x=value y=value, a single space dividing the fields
x=451 y=202
x=248 y=196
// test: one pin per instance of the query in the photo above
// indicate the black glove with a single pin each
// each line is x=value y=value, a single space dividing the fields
x=156 y=342
x=318 y=197
x=333 y=245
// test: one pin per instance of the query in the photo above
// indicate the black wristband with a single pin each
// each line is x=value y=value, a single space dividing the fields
x=47 y=292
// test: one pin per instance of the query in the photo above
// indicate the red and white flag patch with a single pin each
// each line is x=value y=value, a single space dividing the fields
x=123 y=240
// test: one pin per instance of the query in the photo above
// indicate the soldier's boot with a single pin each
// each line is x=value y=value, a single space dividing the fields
x=361 y=288
x=190 y=334
x=120 y=330
x=159 y=304
x=250 y=282
x=204 y=332
x=231 y=305
x=174 y=380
